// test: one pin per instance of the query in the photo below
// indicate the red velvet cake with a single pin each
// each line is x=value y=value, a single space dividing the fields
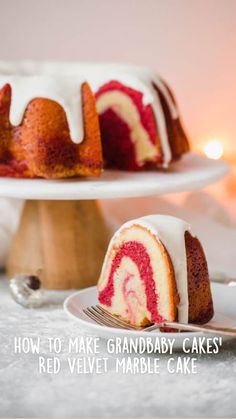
x=49 y=120
x=156 y=270
x=136 y=133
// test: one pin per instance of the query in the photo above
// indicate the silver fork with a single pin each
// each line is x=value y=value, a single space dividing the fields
x=104 y=318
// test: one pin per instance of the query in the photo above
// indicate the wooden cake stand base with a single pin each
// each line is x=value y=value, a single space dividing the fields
x=63 y=242
x=62 y=236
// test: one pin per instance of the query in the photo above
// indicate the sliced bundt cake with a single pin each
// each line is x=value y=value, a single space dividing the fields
x=49 y=120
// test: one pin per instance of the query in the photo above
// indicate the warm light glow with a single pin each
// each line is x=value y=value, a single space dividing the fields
x=214 y=149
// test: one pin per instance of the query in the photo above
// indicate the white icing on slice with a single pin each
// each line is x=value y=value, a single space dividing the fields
x=141 y=79
x=162 y=130
x=170 y=231
x=171 y=104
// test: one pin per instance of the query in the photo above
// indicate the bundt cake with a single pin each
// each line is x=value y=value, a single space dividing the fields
x=49 y=120
x=155 y=270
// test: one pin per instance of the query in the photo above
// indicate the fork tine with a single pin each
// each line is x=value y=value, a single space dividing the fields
x=98 y=319
x=111 y=320
x=155 y=326
x=91 y=316
x=104 y=318
x=111 y=317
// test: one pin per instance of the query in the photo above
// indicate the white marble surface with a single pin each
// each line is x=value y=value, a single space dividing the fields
x=25 y=393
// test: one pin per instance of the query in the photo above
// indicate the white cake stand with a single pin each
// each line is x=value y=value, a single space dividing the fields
x=62 y=235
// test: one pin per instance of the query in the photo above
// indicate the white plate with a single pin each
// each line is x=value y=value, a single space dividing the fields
x=191 y=172
x=225 y=315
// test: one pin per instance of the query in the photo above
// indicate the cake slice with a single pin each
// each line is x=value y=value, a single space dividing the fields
x=156 y=270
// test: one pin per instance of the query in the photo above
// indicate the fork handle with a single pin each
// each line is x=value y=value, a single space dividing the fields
x=223 y=331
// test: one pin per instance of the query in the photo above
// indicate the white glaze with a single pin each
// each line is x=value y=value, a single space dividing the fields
x=62 y=82
x=170 y=231
x=65 y=92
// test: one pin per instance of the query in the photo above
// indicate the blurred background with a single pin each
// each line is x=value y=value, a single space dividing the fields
x=191 y=43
